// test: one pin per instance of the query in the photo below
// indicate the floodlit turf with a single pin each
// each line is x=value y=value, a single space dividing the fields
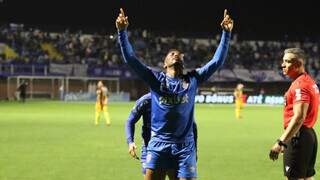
x=43 y=140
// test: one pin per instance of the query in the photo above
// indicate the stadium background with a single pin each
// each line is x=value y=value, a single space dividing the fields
x=34 y=132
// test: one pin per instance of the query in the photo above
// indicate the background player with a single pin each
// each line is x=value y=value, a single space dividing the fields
x=238 y=91
x=22 y=89
x=101 y=104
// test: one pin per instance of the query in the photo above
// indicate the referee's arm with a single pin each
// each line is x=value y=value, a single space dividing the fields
x=300 y=112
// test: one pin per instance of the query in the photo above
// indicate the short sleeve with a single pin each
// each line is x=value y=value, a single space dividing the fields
x=301 y=94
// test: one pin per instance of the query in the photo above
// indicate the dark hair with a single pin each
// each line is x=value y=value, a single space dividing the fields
x=299 y=53
x=170 y=50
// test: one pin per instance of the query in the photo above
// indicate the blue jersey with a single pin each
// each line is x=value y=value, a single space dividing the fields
x=173 y=98
x=141 y=108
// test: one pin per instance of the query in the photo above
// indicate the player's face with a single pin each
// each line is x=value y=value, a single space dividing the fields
x=100 y=84
x=289 y=65
x=174 y=58
x=240 y=86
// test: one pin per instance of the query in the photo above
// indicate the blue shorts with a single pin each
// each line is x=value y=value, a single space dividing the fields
x=143 y=158
x=180 y=156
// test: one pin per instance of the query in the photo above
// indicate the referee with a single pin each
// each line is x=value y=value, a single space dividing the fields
x=298 y=141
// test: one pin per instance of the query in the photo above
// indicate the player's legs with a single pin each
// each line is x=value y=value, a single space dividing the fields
x=97 y=114
x=172 y=174
x=155 y=174
x=23 y=97
x=158 y=160
x=238 y=109
x=143 y=159
x=185 y=154
x=160 y=174
x=97 y=117
x=106 y=116
x=237 y=113
x=18 y=95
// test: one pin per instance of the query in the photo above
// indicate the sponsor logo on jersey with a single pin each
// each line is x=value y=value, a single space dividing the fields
x=173 y=100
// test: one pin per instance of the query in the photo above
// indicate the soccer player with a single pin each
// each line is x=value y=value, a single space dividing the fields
x=172 y=105
x=101 y=104
x=298 y=141
x=143 y=108
x=23 y=91
x=238 y=100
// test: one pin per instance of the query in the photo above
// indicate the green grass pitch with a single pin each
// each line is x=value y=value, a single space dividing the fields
x=50 y=140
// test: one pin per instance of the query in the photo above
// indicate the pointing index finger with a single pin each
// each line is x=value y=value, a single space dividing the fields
x=225 y=13
x=121 y=11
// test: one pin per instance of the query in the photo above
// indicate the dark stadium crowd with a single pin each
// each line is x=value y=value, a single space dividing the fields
x=31 y=45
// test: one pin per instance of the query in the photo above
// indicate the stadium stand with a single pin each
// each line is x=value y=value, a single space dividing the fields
x=33 y=52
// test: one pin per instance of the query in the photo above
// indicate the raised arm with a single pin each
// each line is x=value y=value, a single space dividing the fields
x=128 y=53
x=220 y=55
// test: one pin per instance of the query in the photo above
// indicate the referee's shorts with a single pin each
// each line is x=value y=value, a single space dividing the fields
x=300 y=155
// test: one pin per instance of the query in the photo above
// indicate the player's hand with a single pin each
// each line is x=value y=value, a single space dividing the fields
x=133 y=150
x=227 y=22
x=275 y=151
x=122 y=21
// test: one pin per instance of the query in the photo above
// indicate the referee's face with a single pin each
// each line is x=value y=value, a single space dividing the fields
x=290 y=64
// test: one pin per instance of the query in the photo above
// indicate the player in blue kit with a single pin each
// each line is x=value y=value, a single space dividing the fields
x=143 y=108
x=172 y=103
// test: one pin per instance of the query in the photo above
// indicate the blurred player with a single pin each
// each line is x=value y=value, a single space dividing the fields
x=101 y=103
x=299 y=140
x=143 y=108
x=238 y=100
x=172 y=110
x=22 y=89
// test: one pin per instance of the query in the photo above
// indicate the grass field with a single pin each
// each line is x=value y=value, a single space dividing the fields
x=49 y=140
